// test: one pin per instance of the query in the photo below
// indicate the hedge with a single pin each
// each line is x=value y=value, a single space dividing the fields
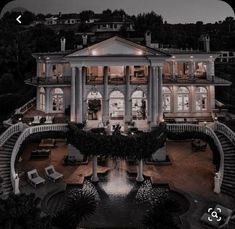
x=138 y=146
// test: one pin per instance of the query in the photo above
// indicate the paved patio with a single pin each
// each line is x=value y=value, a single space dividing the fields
x=192 y=173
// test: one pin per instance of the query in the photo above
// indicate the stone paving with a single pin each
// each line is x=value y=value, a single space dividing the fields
x=191 y=173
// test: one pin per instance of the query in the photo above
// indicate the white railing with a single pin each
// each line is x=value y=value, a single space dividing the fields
x=220 y=127
x=27 y=132
x=23 y=109
x=11 y=131
x=180 y=128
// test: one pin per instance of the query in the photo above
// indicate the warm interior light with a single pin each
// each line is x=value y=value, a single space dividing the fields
x=140 y=52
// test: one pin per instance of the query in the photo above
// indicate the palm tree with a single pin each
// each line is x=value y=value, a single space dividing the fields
x=79 y=205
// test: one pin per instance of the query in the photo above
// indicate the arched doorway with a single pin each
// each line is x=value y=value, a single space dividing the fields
x=116 y=105
x=183 y=99
x=94 y=105
x=201 y=99
x=139 y=105
x=57 y=100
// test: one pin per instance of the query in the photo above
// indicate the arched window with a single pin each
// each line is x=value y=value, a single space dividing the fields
x=94 y=104
x=166 y=101
x=183 y=99
x=42 y=99
x=201 y=99
x=57 y=100
x=139 y=105
x=116 y=105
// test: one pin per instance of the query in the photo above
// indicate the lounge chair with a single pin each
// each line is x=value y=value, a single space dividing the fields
x=225 y=212
x=34 y=178
x=49 y=120
x=52 y=174
x=36 y=120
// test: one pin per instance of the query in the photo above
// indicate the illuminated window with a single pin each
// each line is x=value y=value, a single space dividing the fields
x=166 y=101
x=116 y=105
x=139 y=105
x=183 y=99
x=201 y=99
x=57 y=100
x=42 y=99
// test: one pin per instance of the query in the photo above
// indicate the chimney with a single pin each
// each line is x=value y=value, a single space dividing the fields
x=148 y=38
x=206 y=42
x=84 y=39
x=62 y=43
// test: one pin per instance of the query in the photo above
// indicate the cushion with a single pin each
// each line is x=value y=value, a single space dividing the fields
x=34 y=175
x=50 y=171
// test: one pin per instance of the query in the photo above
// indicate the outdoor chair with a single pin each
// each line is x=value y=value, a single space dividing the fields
x=36 y=120
x=52 y=174
x=34 y=178
x=49 y=120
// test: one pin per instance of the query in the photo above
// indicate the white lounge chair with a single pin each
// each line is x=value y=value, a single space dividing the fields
x=48 y=120
x=52 y=174
x=34 y=178
x=36 y=120
x=213 y=223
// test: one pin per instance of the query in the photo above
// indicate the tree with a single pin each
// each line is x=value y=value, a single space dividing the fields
x=79 y=205
x=86 y=15
x=20 y=212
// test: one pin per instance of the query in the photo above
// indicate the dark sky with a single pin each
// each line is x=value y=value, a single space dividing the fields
x=173 y=11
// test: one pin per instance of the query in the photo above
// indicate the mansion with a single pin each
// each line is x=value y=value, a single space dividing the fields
x=117 y=80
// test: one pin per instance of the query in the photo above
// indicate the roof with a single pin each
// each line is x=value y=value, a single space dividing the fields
x=117 y=46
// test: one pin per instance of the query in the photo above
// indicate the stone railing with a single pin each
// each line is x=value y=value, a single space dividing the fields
x=26 y=107
x=11 y=131
x=220 y=127
x=180 y=128
x=26 y=133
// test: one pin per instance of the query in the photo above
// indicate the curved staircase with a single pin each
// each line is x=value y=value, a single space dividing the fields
x=5 y=160
x=228 y=184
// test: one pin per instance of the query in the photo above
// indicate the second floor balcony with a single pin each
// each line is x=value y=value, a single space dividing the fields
x=59 y=80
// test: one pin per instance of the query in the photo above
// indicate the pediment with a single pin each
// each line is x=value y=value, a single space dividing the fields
x=116 y=46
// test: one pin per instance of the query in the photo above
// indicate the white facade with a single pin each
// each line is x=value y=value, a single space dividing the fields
x=120 y=80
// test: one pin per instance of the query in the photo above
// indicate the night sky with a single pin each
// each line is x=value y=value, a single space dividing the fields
x=173 y=11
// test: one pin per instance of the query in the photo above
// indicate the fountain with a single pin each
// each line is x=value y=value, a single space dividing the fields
x=117 y=181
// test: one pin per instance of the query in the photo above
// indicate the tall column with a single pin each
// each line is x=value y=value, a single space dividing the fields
x=150 y=81
x=191 y=69
x=79 y=104
x=48 y=102
x=210 y=70
x=94 y=177
x=84 y=104
x=48 y=69
x=140 y=169
x=38 y=98
x=38 y=69
x=174 y=70
x=128 y=101
x=105 y=96
x=160 y=108
x=155 y=96
x=73 y=94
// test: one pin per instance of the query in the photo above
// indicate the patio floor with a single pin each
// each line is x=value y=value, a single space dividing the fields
x=191 y=173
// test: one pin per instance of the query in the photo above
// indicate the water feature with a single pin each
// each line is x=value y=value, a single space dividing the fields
x=121 y=201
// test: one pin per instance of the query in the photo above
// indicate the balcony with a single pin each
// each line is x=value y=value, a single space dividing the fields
x=195 y=80
x=139 y=79
x=94 y=80
x=61 y=80
x=117 y=79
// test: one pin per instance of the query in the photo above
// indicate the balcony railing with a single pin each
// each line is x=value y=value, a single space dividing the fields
x=195 y=80
x=49 y=80
x=117 y=79
x=94 y=80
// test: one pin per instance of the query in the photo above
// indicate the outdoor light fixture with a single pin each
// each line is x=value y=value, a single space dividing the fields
x=216 y=119
x=30 y=123
x=191 y=57
x=20 y=119
x=205 y=123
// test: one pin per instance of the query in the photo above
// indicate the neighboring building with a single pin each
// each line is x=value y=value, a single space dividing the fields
x=127 y=81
